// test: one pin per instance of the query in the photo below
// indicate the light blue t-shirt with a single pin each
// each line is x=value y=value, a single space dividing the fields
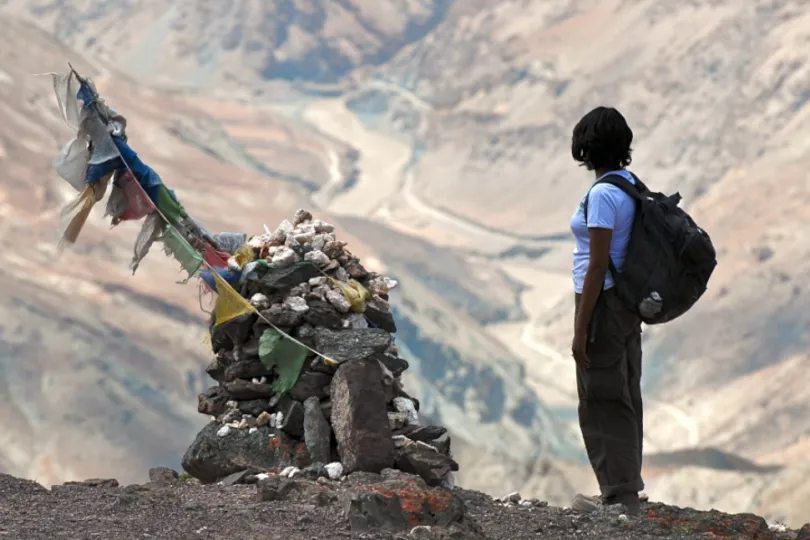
x=608 y=208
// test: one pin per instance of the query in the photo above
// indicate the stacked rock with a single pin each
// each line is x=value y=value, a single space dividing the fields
x=326 y=403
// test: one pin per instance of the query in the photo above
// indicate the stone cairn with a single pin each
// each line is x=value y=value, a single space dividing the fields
x=343 y=414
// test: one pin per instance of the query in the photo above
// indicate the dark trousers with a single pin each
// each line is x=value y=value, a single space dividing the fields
x=610 y=407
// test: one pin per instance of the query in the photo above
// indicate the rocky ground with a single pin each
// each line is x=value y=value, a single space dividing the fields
x=389 y=506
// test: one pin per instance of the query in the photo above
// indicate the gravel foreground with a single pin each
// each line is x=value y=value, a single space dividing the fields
x=299 y=509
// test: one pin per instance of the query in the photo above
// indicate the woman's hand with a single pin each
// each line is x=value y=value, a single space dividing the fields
x=578 y=349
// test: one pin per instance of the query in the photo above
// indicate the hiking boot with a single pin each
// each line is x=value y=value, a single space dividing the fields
x=583 y=503
x=629 y=500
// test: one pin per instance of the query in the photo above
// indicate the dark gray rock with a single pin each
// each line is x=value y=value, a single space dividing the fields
x=279 y=279
x=351 y=344
x=276 y=488
x=422 y=433
x=360 y=417
x=213 y=401
x=240 y=328
x=305 y=333
x=395 y=364
x=225 y=358
x=356 y=270
x=424 y=462
x=292 y=421
x=326 y=408
x=317 y=364
x=235 y=478
x=211 y=457
x=215 y=370
x=242 y=389
x=323 y=315
x=246 y=370
x=163 y=476
x=220 y=340
x=309 y=384
x=442 y=444
x=317 y=432
x=254 y=407
x=282 y=316
x=315 y=471
x=409 y=496
x=369 y=510
x=379 y=318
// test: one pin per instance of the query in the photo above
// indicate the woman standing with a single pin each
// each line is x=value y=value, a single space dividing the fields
x=607 y=336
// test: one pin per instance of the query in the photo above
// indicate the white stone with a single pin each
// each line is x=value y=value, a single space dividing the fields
x=335 y=470
x=301 y=216
x=287 y=471
x=777 y=527
x=262 y=379
x=319 y=242
x=406 y=406
x=273 y=422
x=232 y=404
x=284 y=257
x=341 y=274
x=357 y=321
x=243 y=424
x=292 y=243
x=322 y=226
x=340 y=302
x=318 y=281
x=378 y=286
x=259 y=301
x=317 y=257
x=623 y=517
x=253 y=430
x=293 y=473
x=286 y=226
x=258 y=242
x=390 y=283
x=296 y=304
x=421 y=531
x=387 y=375
x=279 y=419
x=401 y=440
x=525 y=503
x=224 y=430
x=305 y=237
x=449 y=480
x=262 y=476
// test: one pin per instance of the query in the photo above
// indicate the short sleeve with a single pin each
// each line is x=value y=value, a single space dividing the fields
x=602 y=207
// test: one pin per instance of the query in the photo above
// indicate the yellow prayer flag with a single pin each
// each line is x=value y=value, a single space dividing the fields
x=230 y=303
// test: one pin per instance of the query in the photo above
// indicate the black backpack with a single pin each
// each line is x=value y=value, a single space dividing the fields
x=669 y=258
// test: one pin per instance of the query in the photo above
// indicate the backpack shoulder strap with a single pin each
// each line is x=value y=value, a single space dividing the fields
x=635 y=192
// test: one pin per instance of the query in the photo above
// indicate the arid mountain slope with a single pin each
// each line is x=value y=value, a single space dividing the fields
x=207 y=42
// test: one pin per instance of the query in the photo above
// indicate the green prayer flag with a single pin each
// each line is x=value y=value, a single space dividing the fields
x=283 y=354
x=168 y=205
x=178 y=247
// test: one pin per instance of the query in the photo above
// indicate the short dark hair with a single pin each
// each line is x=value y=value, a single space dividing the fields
x=602 y=139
